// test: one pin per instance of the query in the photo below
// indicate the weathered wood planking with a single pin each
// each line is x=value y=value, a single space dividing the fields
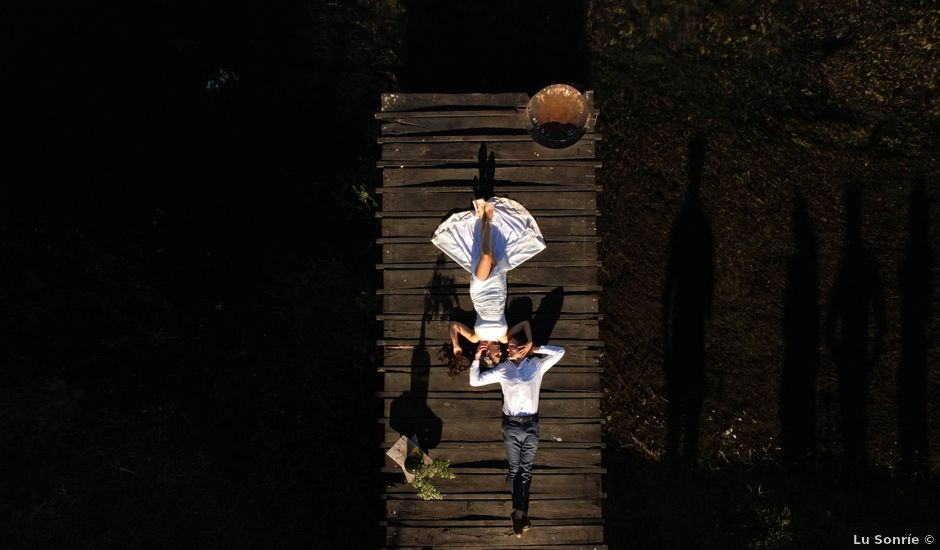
x=575 y=356
x=480 y=522
x=431 y=343
x=458 y=152
x=438 y=330
x=513 y=289
x=469 y=138
x=425 y=252
x=440 y=380
x=501 y=508
x=484 y=429
x=457 y=409
x=442 y=369
x=508 y=545
x=495 y=455
x=479 y=470
x=494 y=395
x=396 y=101
x=479 y=486
x=504 y=176
x=511 y=546
x=424 y=227
x=442 y=201
x=449 y=277
x=548 y=240
x=524 y=274
x=406 y=102
x=535 y=263
x=425 y=177
x=484 y=536
x=542 y=302
x=427 y=122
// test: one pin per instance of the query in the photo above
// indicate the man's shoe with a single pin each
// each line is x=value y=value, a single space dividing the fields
x=517 y=519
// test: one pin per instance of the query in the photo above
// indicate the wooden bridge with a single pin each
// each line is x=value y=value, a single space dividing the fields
x=438 y=151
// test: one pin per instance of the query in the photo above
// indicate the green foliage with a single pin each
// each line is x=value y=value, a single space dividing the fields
x=422 y=481
x=774 y=526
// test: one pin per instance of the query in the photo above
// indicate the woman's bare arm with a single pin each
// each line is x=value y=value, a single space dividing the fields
x=462 y=329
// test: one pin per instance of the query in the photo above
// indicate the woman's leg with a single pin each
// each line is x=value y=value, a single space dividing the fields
x=487 y=259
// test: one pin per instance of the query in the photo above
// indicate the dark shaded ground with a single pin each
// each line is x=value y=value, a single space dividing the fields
x=188 y=357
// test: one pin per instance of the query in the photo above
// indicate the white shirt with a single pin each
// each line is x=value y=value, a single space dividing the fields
x=520 y=382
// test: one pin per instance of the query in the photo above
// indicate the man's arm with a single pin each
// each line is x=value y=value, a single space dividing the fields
x=552 y=354
x=522 y=326
x=489 y=377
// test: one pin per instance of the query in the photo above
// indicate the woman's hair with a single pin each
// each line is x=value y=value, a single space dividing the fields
x=456 y=364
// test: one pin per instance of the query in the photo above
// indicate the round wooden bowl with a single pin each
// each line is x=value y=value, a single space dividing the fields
x=557 y=115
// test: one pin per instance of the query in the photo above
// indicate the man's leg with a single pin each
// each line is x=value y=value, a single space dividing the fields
x=523 y=479
x=512 y=439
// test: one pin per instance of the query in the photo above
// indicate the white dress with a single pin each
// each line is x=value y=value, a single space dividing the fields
x=516 y=238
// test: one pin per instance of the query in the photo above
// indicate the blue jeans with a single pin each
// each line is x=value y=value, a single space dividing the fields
x=521 y=440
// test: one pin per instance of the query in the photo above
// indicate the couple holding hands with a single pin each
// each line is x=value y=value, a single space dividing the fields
x=496 y=236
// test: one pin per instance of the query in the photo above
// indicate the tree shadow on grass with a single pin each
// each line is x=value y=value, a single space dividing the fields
x=687 y=303
x=856 y=297
x=801 y=323
x=916 y=298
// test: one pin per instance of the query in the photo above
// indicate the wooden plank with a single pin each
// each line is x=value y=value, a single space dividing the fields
x=476 y=138
x=526 y=274
x=485 y=536
x=443 y=408
x=457 y=114
x=410 y=101
x=535 y=263
x=536 y=213
x=440 y=380
x=496 y=456
x=513 y=289
x=427 y=252
x=493 y=486
x=482 y=430
x=444 y=163
x=442 y=369
x=444 y=313
x=429 y=343
x=482 y=522
x=587 y=329
x=496 y=395
x=548 y=240
x=575 y=357
x=517 y=304
x=428 y=122
x=403 y=101
x=476 y=470
x=505 y=151
x=550 y=226
x=467 y=187
x=479 y=124
x=446 y=200
x=512 y=546
x=500 y=508
x=399 y=176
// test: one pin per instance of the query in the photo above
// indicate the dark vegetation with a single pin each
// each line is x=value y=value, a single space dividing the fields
x=188 y=282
